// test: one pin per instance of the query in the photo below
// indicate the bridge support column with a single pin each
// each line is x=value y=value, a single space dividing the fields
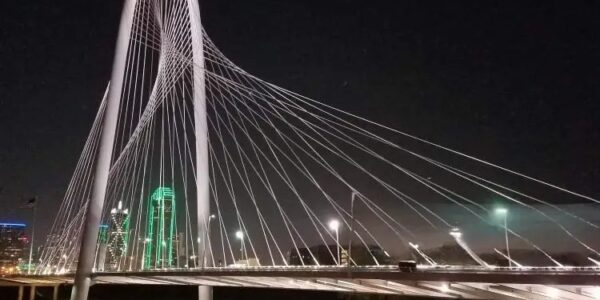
x=94 y=210
x=55 y=292
x=32 y=292
x=20 y=294
x=205 y=292
x=200 y=122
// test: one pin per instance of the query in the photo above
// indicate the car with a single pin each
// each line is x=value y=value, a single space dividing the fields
x=408 y=266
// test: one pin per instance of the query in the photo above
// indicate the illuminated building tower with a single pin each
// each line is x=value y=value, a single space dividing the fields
x=160 y=232
x=13 y=244
x=118 y=236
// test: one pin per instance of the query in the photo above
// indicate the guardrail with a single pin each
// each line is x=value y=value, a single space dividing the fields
x=374 y=268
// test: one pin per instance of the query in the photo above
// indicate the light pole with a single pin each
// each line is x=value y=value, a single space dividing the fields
x=351 y=228
x=207 y=238
x=32 y=203
x=210 y=218
x=146 y=241
x=163 y=256
x=335 y=226
x=504 y=213
x=240 y=235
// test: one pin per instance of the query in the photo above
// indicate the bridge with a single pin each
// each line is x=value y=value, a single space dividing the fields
x=442 y=282
x=196 y=172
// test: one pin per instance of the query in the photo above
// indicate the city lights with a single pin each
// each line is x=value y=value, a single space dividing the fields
x=334 y=225
x=239 y=234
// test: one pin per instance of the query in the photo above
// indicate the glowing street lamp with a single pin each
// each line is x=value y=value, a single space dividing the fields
x=240 y=235
x=210 y=218
x=504 y=213
x=455 y=232
x=334 y=225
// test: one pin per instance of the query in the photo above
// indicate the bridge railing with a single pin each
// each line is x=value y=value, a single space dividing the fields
x=374 y=268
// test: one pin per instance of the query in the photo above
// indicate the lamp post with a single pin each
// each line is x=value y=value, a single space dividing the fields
x=32 y=203
x=146 y=241
x=354 y=193
x=163 y=256
x=210 y=218
x=240 y=235
x=504 y=213
x=335 y=226
x=207 y=239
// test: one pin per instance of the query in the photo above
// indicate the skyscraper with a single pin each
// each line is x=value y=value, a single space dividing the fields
x=13 y=245
x=160 y=232
x=118 y=236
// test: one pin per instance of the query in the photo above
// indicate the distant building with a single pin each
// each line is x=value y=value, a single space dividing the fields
x=160 y=233
x=13 y=246
x=327 y=255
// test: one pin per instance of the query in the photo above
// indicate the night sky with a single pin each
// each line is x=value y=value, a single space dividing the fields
x=512 y=82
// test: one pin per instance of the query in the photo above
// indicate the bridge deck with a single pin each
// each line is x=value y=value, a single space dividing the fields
x=444 y=283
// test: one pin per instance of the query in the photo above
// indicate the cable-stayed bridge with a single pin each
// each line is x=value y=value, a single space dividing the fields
x=197 y=172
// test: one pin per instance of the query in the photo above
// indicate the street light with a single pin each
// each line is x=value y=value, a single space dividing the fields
x=240 y=235
x=455 y=232
x=504 y=213
x=501 y=210
x=210 y=218
x=146 y=241
x=352 y=231
x=207 y=239
x=31 y=204
x=335 y=226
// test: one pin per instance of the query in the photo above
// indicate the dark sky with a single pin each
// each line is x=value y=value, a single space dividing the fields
x=513 y=82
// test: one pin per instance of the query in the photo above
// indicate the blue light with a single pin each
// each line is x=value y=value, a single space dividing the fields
x=13 y=225
x=103 y=226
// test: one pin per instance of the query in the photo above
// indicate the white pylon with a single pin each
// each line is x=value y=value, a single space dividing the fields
x=201 y=128
x=91 y=225
x=102 y=168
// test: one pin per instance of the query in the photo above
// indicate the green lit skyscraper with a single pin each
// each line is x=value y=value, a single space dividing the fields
x=160 y=232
